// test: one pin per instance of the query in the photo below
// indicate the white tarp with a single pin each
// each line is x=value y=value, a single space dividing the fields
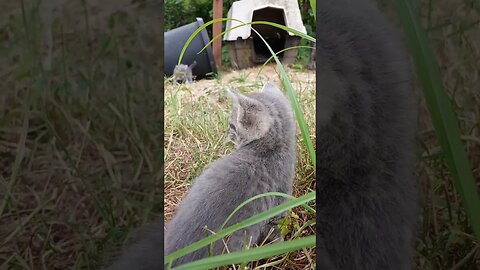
x=243 y=11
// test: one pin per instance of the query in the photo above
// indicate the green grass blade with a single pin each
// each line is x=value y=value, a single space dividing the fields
x=304 y=226
x=279 y=52
x=308 y=208
x=443 y=117
x=313 y=5
x=251 y=254
x=286 y=28
x=194 y=34
x=296 y=106
x=283 y=27
x=247 y=222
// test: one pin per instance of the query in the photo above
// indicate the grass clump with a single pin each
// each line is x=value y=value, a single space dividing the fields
x=447 y=61
x=80 y=123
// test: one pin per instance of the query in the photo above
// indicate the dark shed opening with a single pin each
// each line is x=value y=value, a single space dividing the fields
x=275 y=37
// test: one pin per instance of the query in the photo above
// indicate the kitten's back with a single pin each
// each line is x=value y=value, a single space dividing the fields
x=367 y=197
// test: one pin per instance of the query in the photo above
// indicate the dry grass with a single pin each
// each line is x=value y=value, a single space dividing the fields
x=80 y=130
x=81 y=133
x=446 y=240
x=196 y=128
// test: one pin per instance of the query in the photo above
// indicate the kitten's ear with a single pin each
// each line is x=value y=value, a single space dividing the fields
x=272 y=88
x=233 y=94
x=234 y=97
x=250 y=114
x=244 y=103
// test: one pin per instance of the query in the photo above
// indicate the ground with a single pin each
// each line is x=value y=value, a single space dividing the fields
x=196 y=127
x=445 y=239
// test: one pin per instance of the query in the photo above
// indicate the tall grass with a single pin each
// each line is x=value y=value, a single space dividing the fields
x=80 y=128
x=439 y=105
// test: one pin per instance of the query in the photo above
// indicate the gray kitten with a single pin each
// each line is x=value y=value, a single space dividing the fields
x=313 y=60
x=263 y=129
x=367 y=204
x=184 y=73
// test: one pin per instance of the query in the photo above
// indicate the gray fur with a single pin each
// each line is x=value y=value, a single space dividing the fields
x=142 y=252
x=313 y=60
x=367 y=202
x=184 y=73
x=263 y=129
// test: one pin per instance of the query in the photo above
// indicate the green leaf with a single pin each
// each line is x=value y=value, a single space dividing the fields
x=243 y=24
x=247 y=222
x=250 y=254
x=284 y=226
x=313 y=5
x=308 y=208
x=195 y=33
x=286 y=28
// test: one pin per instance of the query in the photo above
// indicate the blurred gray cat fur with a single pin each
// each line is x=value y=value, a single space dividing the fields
x=367 y=203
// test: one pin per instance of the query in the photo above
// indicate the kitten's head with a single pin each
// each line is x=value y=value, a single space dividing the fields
x=180 y=68
x=260 y=115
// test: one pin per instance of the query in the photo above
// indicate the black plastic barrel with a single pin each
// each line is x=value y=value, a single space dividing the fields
x=174 y=41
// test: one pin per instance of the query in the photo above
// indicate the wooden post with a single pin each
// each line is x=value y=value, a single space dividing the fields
x=217 y=29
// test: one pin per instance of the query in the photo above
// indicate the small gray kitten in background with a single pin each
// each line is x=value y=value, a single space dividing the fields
x=367 y=203
x=263 y=129
x=183 y=73
x=313 y=60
